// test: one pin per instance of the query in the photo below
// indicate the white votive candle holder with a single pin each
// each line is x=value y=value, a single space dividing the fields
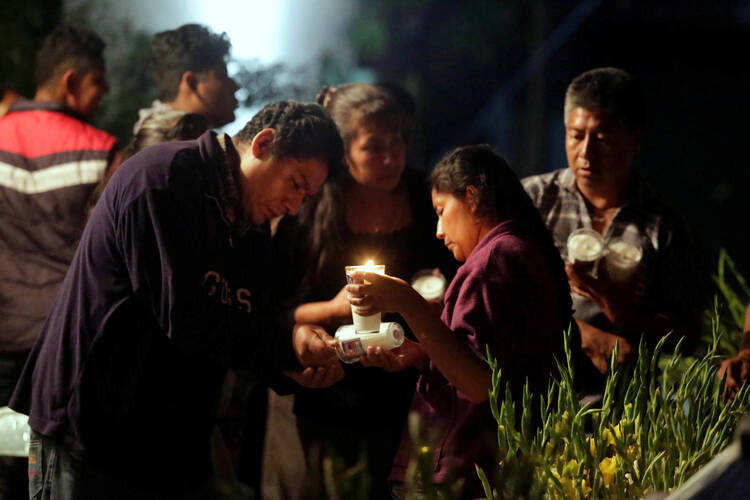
x=370 y=323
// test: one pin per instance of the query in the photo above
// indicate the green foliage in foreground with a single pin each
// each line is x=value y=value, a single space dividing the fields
x=733 y=298
x=659 y=422
x=653 y=430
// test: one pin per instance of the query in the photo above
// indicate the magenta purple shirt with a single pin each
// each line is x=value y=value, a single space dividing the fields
x=503 y=297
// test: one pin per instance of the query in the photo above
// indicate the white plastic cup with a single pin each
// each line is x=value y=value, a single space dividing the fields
x=352 y=344
x=622 y=259
x=429 y=285
x=585 y=248
x=363 y=323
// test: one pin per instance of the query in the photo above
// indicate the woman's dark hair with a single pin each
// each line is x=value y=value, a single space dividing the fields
x=350 y=106
x=500 y=197
x=355 y=103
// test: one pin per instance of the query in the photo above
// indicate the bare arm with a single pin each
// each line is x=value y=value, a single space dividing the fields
x=328 y=312
x=737 y=369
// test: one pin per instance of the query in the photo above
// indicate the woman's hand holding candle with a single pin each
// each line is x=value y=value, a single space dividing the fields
x=450 y=353
x=382 y=293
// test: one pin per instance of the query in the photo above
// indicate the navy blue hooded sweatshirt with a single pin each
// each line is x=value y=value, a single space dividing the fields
x=162 y=296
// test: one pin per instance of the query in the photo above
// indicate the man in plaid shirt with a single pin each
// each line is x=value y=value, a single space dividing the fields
x=604 y=114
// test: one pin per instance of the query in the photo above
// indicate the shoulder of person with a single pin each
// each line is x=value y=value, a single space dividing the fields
x=536 y=185
x=660 y=211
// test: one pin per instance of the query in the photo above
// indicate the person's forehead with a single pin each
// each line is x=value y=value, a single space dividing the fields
x=593 y=117
x=438 y=196
x=375 y=129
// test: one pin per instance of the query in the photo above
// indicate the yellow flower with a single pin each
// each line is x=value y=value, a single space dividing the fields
x=561 y=426
x=631 y=452
x=585 y=488
x=609 y=436
x=592 y=446
x=425 y=449
x=608 y=466
x=619 y=429
x=549 y=448
x=571 y=468
x=568 y=488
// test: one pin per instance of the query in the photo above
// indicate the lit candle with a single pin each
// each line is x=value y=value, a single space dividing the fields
x=371 y=323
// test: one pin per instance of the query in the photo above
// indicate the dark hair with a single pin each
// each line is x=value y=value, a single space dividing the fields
x=302 y=131
x=611 y=89
x=500 y=197
x=356 y=103
x=350 y=105
x=68 y=47
x=190 y=47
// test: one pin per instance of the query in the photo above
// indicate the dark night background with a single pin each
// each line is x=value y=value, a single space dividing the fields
x=496 y=71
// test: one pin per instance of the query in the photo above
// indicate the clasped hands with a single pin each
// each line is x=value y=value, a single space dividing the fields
x=316 y=351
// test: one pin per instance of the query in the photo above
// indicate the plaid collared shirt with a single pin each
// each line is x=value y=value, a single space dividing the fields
x=671 y=278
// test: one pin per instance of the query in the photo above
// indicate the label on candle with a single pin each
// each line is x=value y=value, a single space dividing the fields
x=352 y=348
x=353 y=344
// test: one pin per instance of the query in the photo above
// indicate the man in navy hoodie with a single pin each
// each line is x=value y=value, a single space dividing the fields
x=165 y=292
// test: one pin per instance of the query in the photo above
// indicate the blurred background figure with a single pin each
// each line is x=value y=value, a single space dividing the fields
x=52 y=160
x=188 y=66
x=7 y=96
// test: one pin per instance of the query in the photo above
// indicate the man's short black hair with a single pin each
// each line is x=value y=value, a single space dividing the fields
x=611 y=89
x=191 y=47
x=68 y=47
x=302 y=131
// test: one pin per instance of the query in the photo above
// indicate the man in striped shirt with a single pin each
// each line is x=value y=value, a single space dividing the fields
x=604 y=115
x=50 y=161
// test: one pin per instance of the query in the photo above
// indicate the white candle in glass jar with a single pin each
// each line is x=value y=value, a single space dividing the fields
x=585 y=248
x=622 y=259
x=363 y=323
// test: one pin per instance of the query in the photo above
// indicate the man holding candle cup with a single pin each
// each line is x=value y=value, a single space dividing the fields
x=648 y=277
x=165 y=292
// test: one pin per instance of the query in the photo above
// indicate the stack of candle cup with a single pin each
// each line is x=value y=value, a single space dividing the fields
x=585 y=248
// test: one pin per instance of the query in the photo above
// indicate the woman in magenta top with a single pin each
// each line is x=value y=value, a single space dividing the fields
x=511 y=295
